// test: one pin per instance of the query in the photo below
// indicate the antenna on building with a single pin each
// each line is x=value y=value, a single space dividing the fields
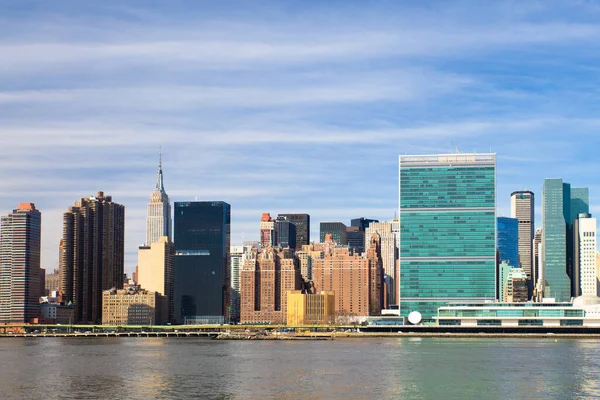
x=457 y=152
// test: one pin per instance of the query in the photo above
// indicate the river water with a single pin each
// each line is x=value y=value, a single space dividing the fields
x=403 y=368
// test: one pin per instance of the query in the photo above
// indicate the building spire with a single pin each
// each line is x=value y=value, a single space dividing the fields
x=159 y=177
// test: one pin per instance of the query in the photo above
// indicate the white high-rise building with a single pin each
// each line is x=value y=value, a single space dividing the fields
x=158 y=220
x=587 y=256
x=238 y=255
x=388 y=231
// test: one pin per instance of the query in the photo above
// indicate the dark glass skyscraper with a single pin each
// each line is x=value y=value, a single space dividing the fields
x=202 y=262
x=286 y=233
x=355 y=233
x=302 y=223
x=336 y=229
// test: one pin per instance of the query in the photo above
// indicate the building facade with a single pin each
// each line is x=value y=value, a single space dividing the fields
x=389 y=255
x=355 y=238
x=202 y=270
x=447 y=230
x=310 y=309
x=556 y=214
x=52 y=283
x=508 y=240
x=302 y=223
x=93 y=254
x=585 y=268
x=515 y=289
x=535 y=263
x=158 y=218
x=57 y=313
x=337 y=231
x=356 y=281
x=238 y=254
x=155 y=271
x=511 y=314
x=132 y=307
x=285 y=232
x=20 y=246
x=522 y=207
x=265 y=281
x=267 y=231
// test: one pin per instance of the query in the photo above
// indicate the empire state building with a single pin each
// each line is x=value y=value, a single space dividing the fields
x=158 y=220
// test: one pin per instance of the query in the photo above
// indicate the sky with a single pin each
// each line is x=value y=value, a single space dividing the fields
x=287 y=106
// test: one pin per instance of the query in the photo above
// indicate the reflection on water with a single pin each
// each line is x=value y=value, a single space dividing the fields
x=412 y=368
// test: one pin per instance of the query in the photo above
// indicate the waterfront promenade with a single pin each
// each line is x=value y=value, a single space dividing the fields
x=277 y=332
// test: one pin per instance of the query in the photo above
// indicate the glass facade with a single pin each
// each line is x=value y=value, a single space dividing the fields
x=508 y=240
x=336 y=229
x=302 y=223
x=556 y=209
x=286 y=233
x=201 y=262
x=580 y=202
x=447 y=230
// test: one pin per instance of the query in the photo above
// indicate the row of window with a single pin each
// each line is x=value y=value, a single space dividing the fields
x=522 y=322
x=512 y=313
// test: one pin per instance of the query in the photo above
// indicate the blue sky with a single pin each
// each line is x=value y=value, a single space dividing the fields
x=278 y=106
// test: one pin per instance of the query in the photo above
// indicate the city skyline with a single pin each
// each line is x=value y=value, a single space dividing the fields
x=263 y=111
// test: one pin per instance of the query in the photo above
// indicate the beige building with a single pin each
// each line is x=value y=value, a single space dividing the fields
x=155 y=270
x=264 y=283
x=310 y=309
x=522 y=207
x=52 y=283
x=515 y=289
x=389 y=254
x=357 y=281
x=133 y=307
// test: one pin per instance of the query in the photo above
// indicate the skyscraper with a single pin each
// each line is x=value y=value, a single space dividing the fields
x=447 y=230
x=580 y=205
x=265 y=281
x=389 y=254
x=158 y=219
x=356 y=280
x=238 y=255
x=302 y=222
x=355 y=233
x=584 y=271
x=285 y=233
x=92 y=254
x=522 y=207
x=508 y=240
x=20 y=243
x=336 y=229
x=267 y=231
x=556 y=214
x=537 y=265
x=202 y=262
x=155 y=271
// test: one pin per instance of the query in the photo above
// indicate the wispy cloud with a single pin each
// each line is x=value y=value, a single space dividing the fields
x=280 y=108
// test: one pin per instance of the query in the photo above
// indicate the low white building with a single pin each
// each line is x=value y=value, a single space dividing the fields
x=584 y=311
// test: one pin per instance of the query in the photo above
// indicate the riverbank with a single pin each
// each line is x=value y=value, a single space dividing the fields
x=305 y=336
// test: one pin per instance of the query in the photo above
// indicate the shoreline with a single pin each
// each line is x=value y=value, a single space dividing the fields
x=310 y=336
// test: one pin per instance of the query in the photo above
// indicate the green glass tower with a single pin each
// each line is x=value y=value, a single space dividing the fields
x=561 y=206
x=447 y=230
